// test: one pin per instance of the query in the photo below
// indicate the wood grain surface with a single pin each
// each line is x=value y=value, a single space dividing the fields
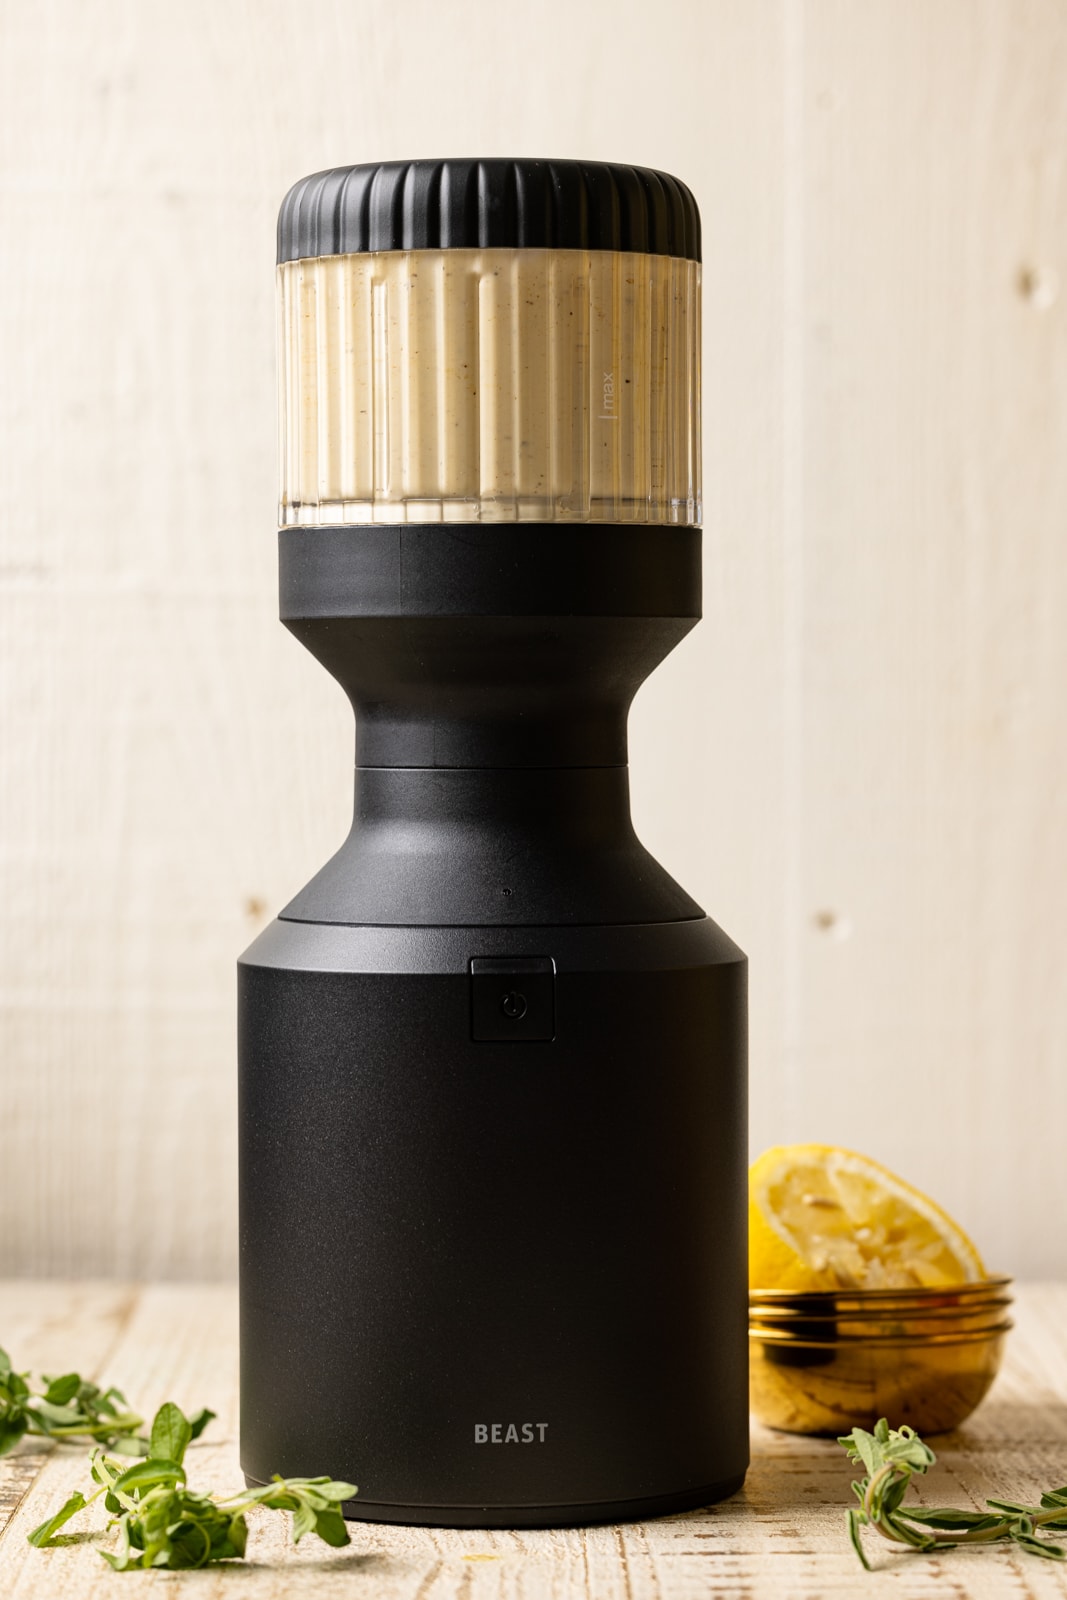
x=857 y=763
x=781 y=1538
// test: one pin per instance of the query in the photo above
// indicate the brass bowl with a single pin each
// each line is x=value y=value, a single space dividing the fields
x=825 y=1363
x=877 y=1323
x=832 y=1387
x=834 y=1301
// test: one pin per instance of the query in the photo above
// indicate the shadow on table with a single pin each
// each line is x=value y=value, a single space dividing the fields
x=347 y=1560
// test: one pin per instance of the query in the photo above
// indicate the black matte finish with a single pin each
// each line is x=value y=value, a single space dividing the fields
x=478 y=845
x=456 y=1215
x=511 y=645
x=485 y=204
x=496 y=569
x=524 y=1516
x=438 y=1233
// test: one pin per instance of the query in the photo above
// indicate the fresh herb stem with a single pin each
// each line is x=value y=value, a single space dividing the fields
x=70 y=1407
x=161 y=1522
x=892 y=1456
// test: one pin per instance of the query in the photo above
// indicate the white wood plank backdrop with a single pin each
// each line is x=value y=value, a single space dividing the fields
x=857 y=763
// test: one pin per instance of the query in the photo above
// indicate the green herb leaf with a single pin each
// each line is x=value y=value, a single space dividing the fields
x=129 y=1444
x=867 y=1449
x=199 y=1421
x=907 y=1449
x=119 y=1560
x=1040 y=1547
x=854 y=1518
x=60 y=1390
x=13 y=1425
x=334 y=1491
x=907 y=1534
x=894 y=1494
x=945 y=1517
x=52 y=1415
x=171 y=1433
x=147 y=1475
x=331 y=1529
x=304 y=1520
x=47 y=1531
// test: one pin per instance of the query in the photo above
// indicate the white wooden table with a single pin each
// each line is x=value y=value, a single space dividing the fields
x=781 y=1537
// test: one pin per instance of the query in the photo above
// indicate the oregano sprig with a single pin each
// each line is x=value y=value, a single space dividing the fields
x=69 y=1408
x=892 y=1456
x=161 y=1522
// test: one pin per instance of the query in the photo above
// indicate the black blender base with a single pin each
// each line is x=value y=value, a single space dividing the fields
x=572 y=1516
x=493 y=1153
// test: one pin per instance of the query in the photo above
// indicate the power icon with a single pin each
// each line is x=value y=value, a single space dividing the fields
x=513 y=999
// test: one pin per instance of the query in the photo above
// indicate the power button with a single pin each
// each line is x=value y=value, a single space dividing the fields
x=513 y=997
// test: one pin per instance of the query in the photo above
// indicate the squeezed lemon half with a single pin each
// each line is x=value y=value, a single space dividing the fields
x=825 y=1218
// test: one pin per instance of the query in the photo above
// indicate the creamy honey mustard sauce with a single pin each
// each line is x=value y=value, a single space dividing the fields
x=490 y=385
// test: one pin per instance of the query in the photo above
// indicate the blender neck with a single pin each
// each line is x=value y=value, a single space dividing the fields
x=492 y=846
x=490 y=644
x=491 y=668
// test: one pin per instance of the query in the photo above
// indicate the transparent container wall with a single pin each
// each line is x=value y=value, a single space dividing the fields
x=490 y=385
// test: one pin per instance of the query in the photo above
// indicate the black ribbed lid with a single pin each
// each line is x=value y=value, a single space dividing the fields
x=453 y=205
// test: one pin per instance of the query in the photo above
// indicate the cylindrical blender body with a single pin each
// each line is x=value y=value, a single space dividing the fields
x=492 y=1058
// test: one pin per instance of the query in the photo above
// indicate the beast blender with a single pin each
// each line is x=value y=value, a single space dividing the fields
x=492 y=1057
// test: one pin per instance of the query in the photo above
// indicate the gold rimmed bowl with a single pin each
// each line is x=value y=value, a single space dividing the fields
x=824 y=1363
x=955 y=1297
